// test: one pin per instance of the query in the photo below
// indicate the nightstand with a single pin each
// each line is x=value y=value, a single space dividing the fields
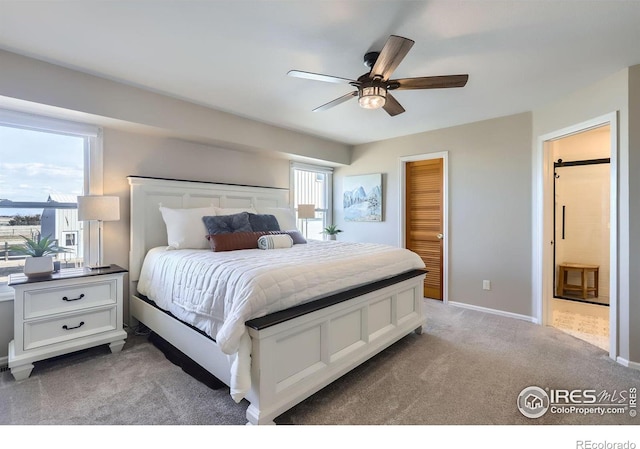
x=67 y=311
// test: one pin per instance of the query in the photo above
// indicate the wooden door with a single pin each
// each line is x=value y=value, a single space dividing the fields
x=423 y=219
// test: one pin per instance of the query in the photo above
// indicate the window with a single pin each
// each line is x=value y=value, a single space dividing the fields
x=313 y=185
x=70 y=239
x=45 y=164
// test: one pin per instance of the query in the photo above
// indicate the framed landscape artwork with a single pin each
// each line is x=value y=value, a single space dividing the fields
x=362 y=197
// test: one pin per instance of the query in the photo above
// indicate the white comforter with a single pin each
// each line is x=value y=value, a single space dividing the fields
x=218 y=291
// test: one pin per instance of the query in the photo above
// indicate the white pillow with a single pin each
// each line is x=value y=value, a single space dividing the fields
x=234 y=210
x=185 y=228
x=285 y=215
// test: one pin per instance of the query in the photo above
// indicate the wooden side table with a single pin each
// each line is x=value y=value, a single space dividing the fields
x=583 y=289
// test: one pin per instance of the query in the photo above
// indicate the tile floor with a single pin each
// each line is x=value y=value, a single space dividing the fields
x=588 y=327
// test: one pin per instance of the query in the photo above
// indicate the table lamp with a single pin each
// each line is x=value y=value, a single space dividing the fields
x=98 y=208
x=306 y=211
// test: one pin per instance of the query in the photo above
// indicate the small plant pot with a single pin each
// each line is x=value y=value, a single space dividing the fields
x=332 y=236
x=35 y=267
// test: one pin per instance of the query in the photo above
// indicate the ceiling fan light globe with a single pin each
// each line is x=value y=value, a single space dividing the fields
x=372 y=97
x=372 y=102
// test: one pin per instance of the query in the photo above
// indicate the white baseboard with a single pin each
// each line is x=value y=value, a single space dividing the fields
x=494 y=311
x=4 y=362
x=628 y=364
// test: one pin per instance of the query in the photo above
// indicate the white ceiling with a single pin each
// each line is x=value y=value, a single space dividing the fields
x=234 y=55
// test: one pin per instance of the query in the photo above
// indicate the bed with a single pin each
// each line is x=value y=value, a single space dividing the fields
x=304 y=338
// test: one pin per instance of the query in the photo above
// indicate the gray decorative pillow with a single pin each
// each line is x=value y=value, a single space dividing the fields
x=224 y=224
x=263 y=222
x=296 y=236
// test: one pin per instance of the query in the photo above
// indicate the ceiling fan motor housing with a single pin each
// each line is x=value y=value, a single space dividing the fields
x=371 y=58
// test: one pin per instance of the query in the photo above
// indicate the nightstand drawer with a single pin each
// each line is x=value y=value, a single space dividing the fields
x=68 y=327
x=50 y=301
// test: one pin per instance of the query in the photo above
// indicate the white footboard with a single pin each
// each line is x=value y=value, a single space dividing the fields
x=294 y=359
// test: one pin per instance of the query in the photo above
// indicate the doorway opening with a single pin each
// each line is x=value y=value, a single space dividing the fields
x=576 y=239
x=581 y=249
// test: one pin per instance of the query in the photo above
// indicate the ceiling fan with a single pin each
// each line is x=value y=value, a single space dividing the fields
x=373 y=87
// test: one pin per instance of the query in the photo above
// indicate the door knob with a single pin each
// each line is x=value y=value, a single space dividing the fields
x=440 y=236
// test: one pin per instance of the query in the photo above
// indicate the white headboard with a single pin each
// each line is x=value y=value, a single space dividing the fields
x=147 y=226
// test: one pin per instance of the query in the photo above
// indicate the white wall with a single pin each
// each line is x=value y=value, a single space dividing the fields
x=489 y=206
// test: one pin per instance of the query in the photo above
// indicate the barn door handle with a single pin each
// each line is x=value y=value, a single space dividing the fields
x=440 y=236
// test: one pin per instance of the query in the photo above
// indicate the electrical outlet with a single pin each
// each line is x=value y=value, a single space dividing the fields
x=486 y=285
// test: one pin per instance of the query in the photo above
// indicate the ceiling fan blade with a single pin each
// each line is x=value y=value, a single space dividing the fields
x=392 y=54
x=319 y=77
x=429 y=82
x=337 y=101
x=392 y=106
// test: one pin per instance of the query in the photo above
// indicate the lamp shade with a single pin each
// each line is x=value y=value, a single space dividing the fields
x=306 y=211
x=98 y=207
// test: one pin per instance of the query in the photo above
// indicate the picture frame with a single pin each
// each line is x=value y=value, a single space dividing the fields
x=362 y=197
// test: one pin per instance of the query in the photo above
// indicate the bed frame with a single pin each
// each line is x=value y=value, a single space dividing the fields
x=295 y=352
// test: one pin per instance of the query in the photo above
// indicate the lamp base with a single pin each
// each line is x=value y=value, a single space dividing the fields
x=97 y=267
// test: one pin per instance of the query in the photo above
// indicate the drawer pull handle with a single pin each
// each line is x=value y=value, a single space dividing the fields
x=67 y=328
x=64 y=298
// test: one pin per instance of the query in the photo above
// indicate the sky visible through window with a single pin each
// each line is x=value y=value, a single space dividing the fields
x=34 y=165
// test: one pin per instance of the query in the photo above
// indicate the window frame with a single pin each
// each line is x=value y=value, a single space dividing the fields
x=328 y=190
x=93 y=164
x=73 y=234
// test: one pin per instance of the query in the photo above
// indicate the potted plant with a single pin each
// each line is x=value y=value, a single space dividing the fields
x=41 y=251
x=332 y=231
